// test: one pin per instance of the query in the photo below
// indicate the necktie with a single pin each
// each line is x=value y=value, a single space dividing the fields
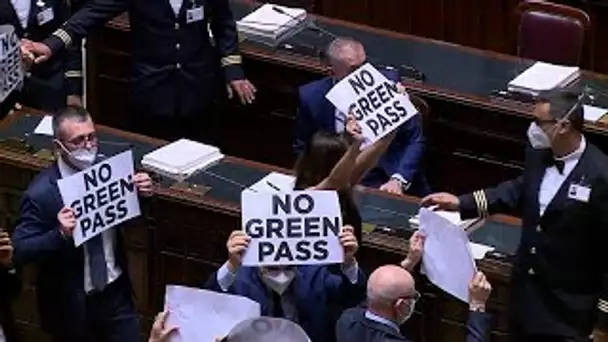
x=551 y=161
x=277 y=309
x=97 y=263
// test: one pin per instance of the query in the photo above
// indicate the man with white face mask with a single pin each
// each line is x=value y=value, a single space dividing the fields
x=301 y=294
x=83 y=293
x=391 y=298
x=560 y=276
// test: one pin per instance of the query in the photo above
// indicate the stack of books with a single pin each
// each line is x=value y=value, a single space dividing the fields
x=543 y=77
x=272 y=24
x=181 y=159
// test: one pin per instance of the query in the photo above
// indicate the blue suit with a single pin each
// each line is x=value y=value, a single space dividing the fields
x=65 y=310
x=318 y=293
x=403 y=156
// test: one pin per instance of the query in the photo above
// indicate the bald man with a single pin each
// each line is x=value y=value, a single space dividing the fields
x=392 y=296
x=399 y=170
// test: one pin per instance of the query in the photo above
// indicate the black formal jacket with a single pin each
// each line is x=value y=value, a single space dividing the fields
x=10 y=285
x=48 y=84
x=37 y=239
x=560 y=276
x=176 y=68
x=353 y=326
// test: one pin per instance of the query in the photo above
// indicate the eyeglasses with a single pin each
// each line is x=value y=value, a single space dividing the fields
x=81 y=141
x=414 y=296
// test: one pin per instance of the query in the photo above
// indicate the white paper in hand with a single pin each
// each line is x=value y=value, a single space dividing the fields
x=373 y=100
x=203 y=315
x=447 y=258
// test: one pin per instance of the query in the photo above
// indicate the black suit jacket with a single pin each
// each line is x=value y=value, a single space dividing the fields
x=48 y=84
x=37 y=239
x=354 y=326
x=10 y=285
x=560 y=276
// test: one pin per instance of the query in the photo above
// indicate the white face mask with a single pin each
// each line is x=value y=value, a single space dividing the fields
x=402 y=318
x=278 y=280
x=537 y=137
x=81 y=158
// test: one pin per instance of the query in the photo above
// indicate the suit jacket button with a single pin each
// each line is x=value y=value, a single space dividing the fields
x=538 y=229
x=531 y=271
x=177 y=26
x=177 y=46
x=178 y=66
x=533 y=250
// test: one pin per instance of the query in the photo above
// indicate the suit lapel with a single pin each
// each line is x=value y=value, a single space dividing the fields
x=558 y=201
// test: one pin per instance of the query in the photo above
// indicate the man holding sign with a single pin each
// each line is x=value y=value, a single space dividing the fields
x=297 y=234
x=82 y=291
x=398 y=171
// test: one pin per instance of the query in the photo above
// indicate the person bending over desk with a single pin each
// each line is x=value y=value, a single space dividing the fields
x=398 y=171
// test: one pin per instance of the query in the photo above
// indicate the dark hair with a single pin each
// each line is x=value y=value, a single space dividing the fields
x=74 y=113
x=319 y=157
x=564 y=103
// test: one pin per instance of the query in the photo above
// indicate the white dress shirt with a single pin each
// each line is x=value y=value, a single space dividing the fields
x=176 y=5
x=2 y=337
x=22 y=8
x=225 y=278
x=553 y=180
x=109 y=243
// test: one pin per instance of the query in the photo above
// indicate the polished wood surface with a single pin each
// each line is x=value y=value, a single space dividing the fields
x=470 y=131
x=181 y=237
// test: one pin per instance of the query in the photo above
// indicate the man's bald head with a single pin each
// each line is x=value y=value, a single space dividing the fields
x=345 y=55
x=387 y=284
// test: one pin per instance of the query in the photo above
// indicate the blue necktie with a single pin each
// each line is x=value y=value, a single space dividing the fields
x=97 y=263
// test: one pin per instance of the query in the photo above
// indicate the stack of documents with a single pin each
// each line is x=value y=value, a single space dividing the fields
x=454 y=217
x=271 y=24
x=594 y=114
x=180 y=159
x=542 y=77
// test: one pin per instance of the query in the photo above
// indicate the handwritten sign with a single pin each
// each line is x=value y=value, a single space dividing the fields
x=292 y=228
x=11 y=68
x=102 y=196
x=373 y=100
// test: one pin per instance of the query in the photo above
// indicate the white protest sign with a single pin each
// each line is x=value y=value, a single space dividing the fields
x=292 y=228
x=102 y=196
x=373 y=100
x=11 y=68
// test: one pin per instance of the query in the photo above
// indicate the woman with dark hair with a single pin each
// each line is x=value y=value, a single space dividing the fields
x=334 y=161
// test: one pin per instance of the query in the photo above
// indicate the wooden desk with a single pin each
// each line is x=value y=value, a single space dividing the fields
x=478 y=138
x=181 y=237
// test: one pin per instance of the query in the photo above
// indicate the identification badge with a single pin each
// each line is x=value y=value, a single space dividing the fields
x=44 y=16
x=580 y=193
x=195 y=14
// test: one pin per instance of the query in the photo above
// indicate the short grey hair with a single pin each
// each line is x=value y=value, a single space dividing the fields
x=337 y=48
x=72 y=113
x=264 y=329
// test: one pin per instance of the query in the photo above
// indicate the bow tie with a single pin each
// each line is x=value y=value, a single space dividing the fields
x=551 y=161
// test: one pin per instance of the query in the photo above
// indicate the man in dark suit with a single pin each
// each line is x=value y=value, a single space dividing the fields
x=177 y=71
x=10 y=284
x=391 y=297
x=52 y=85
x=302 y=294
x=398 y=170
x=560 y=275
x=83 y=293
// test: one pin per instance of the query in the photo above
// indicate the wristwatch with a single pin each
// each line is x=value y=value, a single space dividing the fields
x=405 y=185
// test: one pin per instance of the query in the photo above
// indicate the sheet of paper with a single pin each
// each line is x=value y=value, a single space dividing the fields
x=544 y=76
x=203 y=315
x=292 y=228
x=479 y=251
x=447 y=258
x=45 y=126
x=102 y=196
x=274 y=182
x=374 y=101
x=594 y=114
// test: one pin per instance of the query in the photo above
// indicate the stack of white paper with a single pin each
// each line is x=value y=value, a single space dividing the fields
x=269 y=25
x=543 y=76
x=594 y=114
x=453 y=217
x=180 y=159
x=274 y=182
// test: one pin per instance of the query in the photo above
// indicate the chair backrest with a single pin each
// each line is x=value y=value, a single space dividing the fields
x=423 y=108
x=551 y=32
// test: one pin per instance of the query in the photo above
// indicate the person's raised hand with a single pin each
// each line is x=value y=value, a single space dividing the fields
x=41 y=52
x=237 y=244
x=67 y=221
x=353 y=129
x=414 y=255
x=159 y=332
x=479 y=292
x=349 y=243
x=143 y=183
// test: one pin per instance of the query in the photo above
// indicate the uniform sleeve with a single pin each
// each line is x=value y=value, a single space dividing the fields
x=602 y=305
x=73 y=58
x=224 y=32
x=92 y=15
x=505 y=198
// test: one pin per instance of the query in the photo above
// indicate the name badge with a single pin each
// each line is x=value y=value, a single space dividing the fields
x=580 y=193
x=44 y=16
x=195 y=14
